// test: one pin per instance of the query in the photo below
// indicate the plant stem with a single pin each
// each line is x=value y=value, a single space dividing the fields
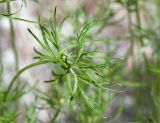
x=13 y=38
x=1 y=69
x=76 y=81
x=141 y=38
x=146 y=63
x=131 y=32
x=22 y=70
x=1 y=55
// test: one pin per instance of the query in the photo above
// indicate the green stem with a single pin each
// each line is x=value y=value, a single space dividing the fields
x=140 y=28
x=139 y=92
x=130 y=31
x=13 y=38
x=1 y=70
x=22 y=70
x=56 y=115
x=146 y=63
x=1 y=55
x=156 y=87
x=76 y=81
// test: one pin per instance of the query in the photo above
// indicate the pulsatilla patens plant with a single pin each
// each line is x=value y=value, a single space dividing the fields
x=74 y=64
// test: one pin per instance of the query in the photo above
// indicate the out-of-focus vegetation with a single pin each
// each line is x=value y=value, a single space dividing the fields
x=107 y=70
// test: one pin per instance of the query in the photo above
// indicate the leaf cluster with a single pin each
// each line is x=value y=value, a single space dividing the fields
x=75 y=65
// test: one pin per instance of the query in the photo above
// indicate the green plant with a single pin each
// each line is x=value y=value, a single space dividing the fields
x=88 y=83
x=5 y=1
x=74 y=66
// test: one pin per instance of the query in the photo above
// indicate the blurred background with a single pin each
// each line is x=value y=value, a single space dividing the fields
x=129 y=32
